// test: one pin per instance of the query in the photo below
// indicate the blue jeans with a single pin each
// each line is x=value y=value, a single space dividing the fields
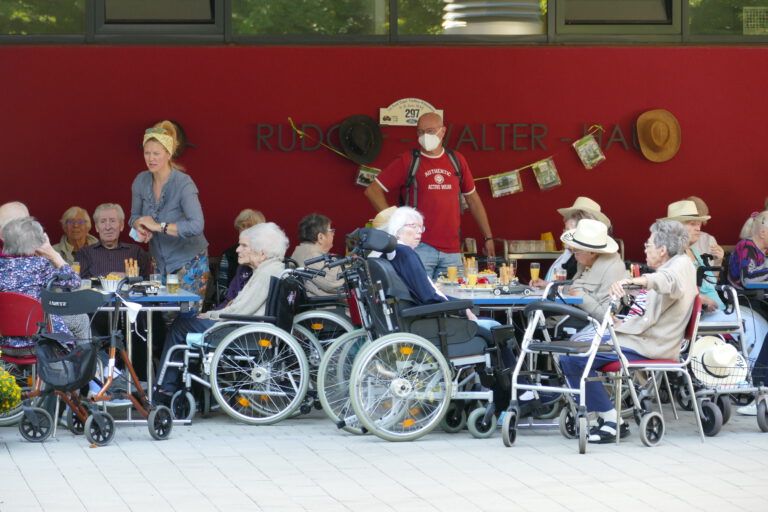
x=435 y=261
x=595 y=395
x=177 y=335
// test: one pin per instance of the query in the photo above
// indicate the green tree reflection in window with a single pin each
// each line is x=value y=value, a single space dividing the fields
x=24 y=17
x=720 y=17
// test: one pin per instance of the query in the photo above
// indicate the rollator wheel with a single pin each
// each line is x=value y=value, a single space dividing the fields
x=97 y=435
x=455 y=419
x=651 y=429
x=259 y=374
x=160 y=422
x=183 y=406
x=711 y=418
x=400 y=387
x=509 y=428
x=36 y=425
x=333 y=380
x=475 y=424
x=683 y=398
x=724 y=404
x=74 y=424
x=762 y=421
x=583 y=434
x=550 y=410
x=567 y=422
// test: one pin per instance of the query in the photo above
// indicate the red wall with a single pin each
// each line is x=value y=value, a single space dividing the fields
x=73 y=117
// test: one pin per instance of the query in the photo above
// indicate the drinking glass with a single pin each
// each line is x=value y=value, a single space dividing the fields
x=535 y=269
x=172 y=282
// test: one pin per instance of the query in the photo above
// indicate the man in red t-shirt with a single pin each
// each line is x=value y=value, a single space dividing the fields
x=437 y=190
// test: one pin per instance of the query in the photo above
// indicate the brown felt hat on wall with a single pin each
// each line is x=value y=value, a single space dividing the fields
x=361 y=139
x=658 y=133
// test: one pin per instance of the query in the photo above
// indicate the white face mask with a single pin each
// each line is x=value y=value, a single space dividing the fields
x=429 y=142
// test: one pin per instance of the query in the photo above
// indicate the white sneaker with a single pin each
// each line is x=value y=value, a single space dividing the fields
x=748 y=410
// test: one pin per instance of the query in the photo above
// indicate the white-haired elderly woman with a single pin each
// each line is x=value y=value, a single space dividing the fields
x=261 y=247
x=668 y=298
x=27 y=266
x=76 y=224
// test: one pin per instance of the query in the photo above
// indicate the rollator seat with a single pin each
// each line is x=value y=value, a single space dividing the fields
x=567 y=347
x=616 y=365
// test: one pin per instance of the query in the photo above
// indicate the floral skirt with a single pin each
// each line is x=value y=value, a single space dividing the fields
x=193 y=277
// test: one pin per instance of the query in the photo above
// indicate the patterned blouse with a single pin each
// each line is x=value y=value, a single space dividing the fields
x=29 y=275
x=749 y=259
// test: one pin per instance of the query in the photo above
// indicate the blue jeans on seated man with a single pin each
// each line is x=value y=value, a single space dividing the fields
x=435 y=261
x=177 y=335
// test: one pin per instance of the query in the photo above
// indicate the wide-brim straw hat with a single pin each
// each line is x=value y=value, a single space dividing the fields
x=715 y=363
x=683 y=211
x=586 y=204
x=590 y=235
x=381 y=218
x=658 y=134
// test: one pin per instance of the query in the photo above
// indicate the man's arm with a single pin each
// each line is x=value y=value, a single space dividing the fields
x=478 y=212
x=375 y=195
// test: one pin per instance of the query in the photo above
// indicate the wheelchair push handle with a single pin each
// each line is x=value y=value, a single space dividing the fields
x=308 y=273
x=553 y=289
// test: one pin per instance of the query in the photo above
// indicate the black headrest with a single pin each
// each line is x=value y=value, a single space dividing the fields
x=371 y=239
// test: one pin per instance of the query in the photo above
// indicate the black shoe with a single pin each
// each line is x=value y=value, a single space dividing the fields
x=161 y=397
x=605 y=432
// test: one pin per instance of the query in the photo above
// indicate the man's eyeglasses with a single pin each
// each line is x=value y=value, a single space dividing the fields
x=330 y=230
x=417 y=227
x=431 y=131
x=76 y=222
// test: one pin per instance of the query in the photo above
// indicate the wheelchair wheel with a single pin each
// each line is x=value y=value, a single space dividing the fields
x=509 y=428
x=74 y=424
x=762 y=420
x=183 y=406
x=36 y=425
x=567 y=423
x=333 y=380
x=455 y=419
x=259 y=374
x=477 y=428
x=160 y=422
x=651 y=428
x=683 y=398
x=711 y=418
x=400 y=387
x=100 y=434
x=312 y=349
x=325 y=325
x=724 y=404
x=583 y=434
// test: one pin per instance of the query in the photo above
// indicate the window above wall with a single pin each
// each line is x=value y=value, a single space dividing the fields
x=392 y=22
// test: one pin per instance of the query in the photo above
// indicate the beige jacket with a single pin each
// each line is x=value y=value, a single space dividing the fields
x=319 y=286
x=671 y=291
x=67 y=250
x=252 y=299
x=593 y=284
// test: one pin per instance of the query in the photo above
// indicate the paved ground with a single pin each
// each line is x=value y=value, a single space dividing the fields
x=306 y=464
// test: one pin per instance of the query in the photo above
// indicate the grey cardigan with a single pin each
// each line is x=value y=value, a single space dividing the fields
x=671 y=291
x=318 y=286
x=593 y=284
x=178 y=204
x=252 y=299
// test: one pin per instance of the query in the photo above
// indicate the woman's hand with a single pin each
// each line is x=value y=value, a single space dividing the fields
x=707 y=303
x=538 y=283
x=143 y=226
x=717 y=253
x=48 y=252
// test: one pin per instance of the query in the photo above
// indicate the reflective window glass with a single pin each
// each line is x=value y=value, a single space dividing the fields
x=729 y=17
x=158 y=11
x=28 y=17
x=471 y=17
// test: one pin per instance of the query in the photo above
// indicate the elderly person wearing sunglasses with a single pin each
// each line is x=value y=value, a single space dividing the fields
x=76 y=224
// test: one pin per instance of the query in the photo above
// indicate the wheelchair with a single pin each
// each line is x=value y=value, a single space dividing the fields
x=422 y=360
x=257 y=368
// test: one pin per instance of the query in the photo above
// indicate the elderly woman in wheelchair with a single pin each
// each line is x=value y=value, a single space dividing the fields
x=668 y=297
x=262 y=247
x=426 y=349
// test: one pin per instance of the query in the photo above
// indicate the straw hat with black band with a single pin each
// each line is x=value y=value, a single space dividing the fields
x=716 y=363
x=590 y=235
x=586 y=204
x=658 y=134
x=683 y=211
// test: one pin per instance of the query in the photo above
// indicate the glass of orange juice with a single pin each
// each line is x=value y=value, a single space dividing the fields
x=453 y=274
x=535 y=269
x=471 y=272
x=76 y=266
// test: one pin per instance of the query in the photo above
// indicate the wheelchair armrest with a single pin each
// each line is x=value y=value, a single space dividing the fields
x=249 y=318
x=557 y=309
x=451 y=306
x=330 y=300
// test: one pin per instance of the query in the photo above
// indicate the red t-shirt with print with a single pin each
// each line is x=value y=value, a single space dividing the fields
x=438 y=194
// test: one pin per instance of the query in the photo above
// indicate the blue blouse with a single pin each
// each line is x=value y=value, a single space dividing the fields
x=179 y=204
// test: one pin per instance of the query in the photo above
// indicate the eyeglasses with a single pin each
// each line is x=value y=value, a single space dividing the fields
x=648 y=245
x=417 y=227
x=76 y=222
x=331 y=230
